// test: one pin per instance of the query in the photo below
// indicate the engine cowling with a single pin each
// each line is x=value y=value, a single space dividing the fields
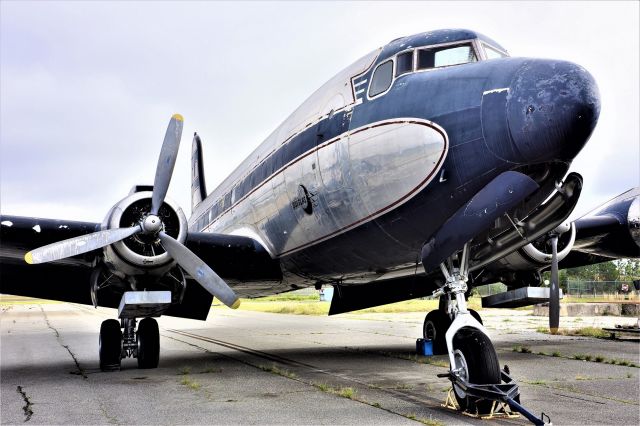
x=142 y=253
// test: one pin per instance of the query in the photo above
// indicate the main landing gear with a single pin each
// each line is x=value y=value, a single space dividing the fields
x=119 y=339
x=479 y=387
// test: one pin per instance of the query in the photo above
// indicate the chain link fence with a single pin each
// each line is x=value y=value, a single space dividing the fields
x=576 y=288
x=610 y=289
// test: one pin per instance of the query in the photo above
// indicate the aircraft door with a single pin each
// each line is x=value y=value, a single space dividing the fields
x=302 y=188
x=334 y=172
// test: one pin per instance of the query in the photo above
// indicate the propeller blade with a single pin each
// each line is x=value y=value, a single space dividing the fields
x=554 y=291
x=167 y=160
x=78 y=245
x=200 y=271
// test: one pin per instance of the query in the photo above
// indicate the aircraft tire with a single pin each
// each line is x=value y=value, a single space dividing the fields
x=110 y=345
x=436 y=324
x=148 y=343
x=481 y=364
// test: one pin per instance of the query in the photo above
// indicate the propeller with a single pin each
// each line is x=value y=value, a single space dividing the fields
x=79 y=245
x=151 y=224
x=554 y=291
x=200 y=271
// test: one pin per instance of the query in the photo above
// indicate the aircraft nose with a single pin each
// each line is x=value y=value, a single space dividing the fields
x=552 y=108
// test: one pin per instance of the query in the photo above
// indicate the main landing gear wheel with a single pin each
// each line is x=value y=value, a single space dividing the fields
x=148 y=337
x=436 y=324
x=477 y=362
x=110 y=345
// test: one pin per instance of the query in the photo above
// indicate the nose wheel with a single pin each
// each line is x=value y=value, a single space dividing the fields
x=143 y=344
x=476 y=362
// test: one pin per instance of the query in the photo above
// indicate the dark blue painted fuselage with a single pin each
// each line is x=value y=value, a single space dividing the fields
x=522 y=114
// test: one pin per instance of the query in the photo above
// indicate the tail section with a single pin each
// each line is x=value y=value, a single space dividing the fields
x=198 y=187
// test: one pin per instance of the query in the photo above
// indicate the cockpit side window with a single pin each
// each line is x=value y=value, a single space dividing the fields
x=404 y=63
x=493 y=53
x=382 y=78
x=445 y=56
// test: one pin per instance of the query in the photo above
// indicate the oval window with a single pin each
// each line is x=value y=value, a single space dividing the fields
x=382 y=77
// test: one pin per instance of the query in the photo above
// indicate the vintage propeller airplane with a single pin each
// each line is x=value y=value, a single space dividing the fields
x=429 y=166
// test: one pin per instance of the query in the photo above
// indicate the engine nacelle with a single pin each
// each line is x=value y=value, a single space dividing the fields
x=537 y=255
x=142 y=254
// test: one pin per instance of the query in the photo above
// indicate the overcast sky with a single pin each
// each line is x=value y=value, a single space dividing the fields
x=87 y=88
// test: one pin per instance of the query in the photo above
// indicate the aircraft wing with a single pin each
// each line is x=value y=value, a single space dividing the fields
x=611 y=231
x=236 y=259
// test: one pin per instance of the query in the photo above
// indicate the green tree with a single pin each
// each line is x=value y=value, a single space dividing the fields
x=605 y=271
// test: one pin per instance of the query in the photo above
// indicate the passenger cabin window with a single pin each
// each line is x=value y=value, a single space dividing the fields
x=445 y=56
x=382 y=78
x=404 y=63
x=493 y=53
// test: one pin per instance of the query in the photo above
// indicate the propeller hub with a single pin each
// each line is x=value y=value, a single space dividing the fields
x=151 y=224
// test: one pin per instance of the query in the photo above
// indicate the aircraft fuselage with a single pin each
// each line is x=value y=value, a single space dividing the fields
x=377 y=173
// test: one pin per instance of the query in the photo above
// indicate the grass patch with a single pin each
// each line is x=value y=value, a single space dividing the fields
x=191 y=384
x=420 y=359
x=323 y=387
x=536 y=382
x=521 y=349
x=587 y=357
x=599 y=298
x=402 y=386
x=415 y=305
x=209 y=369
x=345 y=392
x=584 y=331
x=183 y=371
x=438 y=362
x=279 y=371
x=293 y=307
x=431 y=422
x=285 y=297
x=311 y=305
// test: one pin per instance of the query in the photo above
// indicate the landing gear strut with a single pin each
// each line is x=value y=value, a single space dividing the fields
x=120 y=340
x=478 y=384
x=471 y=354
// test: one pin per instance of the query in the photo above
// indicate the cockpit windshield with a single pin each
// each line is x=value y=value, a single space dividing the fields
x=493 y=53
x=445 y=56
x=429 y=58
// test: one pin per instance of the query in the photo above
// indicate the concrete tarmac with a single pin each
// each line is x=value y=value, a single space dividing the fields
x=243 y=367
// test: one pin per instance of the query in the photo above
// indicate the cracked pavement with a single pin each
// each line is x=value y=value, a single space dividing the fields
x=245 y=367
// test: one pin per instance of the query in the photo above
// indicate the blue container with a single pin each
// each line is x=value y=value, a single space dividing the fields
x=424 y=347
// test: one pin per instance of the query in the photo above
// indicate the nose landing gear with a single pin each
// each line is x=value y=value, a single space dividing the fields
x=478 y=384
